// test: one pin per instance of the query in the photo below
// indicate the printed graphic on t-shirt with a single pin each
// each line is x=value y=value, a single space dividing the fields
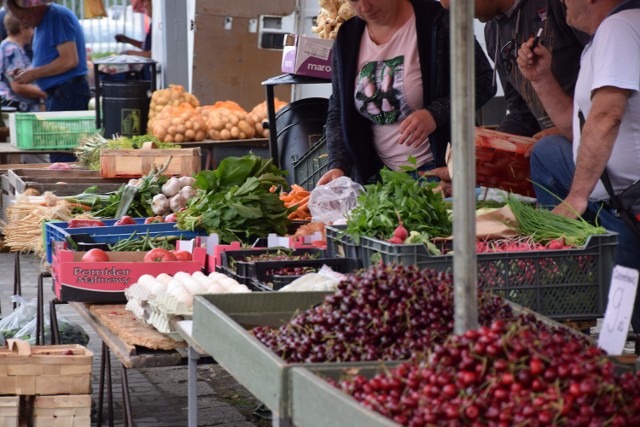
x=380 y=91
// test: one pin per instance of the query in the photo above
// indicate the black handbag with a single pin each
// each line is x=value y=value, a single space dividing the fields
x=627 y=202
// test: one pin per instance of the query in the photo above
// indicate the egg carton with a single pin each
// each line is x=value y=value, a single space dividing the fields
x=142 y=313
x=139 y=292
x=162 y=322
x=167 y=303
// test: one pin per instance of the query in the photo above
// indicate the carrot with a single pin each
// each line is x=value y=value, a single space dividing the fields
x=297 y=188
x=304 y=201
x=303 y=214
x=293 y=215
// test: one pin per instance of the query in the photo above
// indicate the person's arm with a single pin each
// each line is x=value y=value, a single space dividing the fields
x=536 y=67
x=339 y=159
x=66 y=60
x=598 y=137
x=121 y=38
x=28 y=91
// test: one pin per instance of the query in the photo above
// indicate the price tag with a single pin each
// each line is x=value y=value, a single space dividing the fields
x=622 y=294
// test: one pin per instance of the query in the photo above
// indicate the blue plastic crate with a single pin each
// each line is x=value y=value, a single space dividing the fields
x=561 y=284
x=110 y=233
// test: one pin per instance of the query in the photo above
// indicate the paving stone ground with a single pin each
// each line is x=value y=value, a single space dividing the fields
x=158 y=395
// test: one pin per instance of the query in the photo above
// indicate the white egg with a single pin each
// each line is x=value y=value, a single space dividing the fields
x=227 y=282
x=239 y=289
x=175 y=286
x=204 y=281
x=164 y=278
x=216 y=289
x=198 y=274
x=146 y=280
x=186 y=299
x=158 y=288
x=215 y=275
x=194 y=288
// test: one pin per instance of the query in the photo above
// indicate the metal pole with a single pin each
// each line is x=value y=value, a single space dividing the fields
x=462 y=136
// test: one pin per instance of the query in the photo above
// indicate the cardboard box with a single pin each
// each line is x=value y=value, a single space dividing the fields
x=74 y=280
x=44 y=370
x=307 y=56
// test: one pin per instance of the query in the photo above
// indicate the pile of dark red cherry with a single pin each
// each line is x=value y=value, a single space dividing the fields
x=514 y=370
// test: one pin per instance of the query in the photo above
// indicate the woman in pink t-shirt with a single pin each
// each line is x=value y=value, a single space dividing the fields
x=390 y=81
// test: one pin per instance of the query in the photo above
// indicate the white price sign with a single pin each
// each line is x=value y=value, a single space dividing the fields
x=622 y=294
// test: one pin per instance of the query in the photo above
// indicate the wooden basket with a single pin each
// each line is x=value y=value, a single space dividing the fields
x=44 y=370
x=136 y=163
x=67 y=411
x=9 y=411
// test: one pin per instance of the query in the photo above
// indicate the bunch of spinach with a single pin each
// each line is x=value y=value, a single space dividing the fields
x=398 y=194
x=235 y=200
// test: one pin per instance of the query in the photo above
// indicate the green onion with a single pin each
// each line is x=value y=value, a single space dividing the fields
x=544 y=226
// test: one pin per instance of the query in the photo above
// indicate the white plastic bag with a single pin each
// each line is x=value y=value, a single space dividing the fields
x=332 y=202
x=24 y=312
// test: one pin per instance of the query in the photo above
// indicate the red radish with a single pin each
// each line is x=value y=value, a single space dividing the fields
x=556 y=244
x=400 y=232
x=396 y=240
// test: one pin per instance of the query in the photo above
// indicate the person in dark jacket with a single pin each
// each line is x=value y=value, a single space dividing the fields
x=391 y=89
x=509 y=23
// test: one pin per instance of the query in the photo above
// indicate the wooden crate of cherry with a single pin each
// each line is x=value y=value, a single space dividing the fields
x=502 y=161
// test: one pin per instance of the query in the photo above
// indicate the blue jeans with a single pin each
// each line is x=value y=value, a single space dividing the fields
x=552 y=168
x=73 y=95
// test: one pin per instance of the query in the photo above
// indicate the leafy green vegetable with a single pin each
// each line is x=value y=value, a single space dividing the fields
x=420 y=209
x=234 y=200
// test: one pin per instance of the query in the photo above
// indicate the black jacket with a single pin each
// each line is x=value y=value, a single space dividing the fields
x=349 y=135
x=526 y=115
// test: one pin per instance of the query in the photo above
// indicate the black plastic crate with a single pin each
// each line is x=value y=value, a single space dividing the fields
x=561 y=284
x=308 y=169
x=341 y=245
x=243 y=272
x=265 y=280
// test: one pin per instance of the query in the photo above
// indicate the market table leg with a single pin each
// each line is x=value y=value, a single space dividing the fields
x=101 y=387
x=192 y=393
x=126 y=407
x=276 y=421
x=17 y=281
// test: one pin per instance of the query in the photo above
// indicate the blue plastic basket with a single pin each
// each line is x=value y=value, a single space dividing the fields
x=110 y=233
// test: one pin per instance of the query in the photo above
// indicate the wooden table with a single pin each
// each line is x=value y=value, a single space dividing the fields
x=129 y=357
x=11 y=154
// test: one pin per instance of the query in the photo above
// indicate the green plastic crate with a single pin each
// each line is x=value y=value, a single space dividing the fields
x=51 y=130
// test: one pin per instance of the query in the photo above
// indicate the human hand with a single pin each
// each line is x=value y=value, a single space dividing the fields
x=24 y=77
x=330 y=176
x=416 y=128
x=444 y=186
x=121 y=38
x=546 y=132
x=534 y=63
x=571 y=207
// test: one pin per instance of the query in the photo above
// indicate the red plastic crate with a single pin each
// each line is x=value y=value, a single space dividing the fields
x=502 y=161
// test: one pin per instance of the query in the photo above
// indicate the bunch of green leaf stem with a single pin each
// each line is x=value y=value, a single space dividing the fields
x=235 y=200
x=544 y=226
x=419 y=207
